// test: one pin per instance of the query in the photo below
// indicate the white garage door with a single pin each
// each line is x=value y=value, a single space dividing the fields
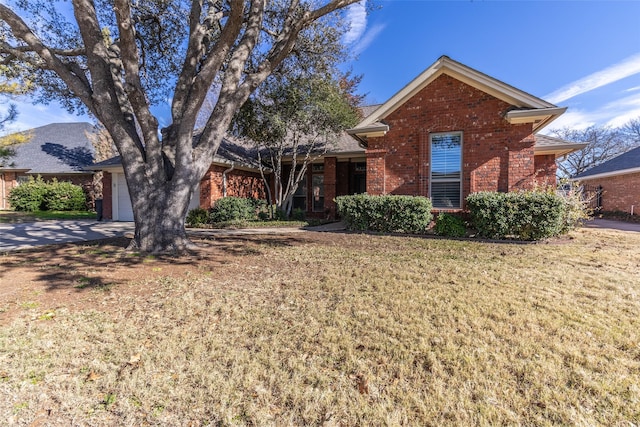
x=122 y=204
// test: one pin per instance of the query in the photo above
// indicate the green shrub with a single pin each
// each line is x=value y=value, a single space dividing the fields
x=576 y=205
x=64 y=196
x=38 y=195
x=524 y=215
x=406 y=214
x=450 y=226
x=29 y=196
x=298 y=214
x=197 y=216
x=233 y=209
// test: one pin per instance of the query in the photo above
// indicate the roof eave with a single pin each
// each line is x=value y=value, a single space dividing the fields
x=16 y=170
x=559 y=150
x=607 y=174
x=540 y=117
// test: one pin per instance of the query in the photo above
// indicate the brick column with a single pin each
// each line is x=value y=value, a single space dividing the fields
x=330 y=173
x=375 y=171
x=107 y=195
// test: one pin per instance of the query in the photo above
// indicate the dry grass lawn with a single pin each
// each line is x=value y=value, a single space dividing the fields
x=336 y=329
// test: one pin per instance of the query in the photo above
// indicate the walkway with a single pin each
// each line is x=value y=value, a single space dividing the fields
x=613 y=225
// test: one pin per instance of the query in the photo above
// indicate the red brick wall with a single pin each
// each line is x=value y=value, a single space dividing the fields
x=619 y=192
x=330 y=180
x=496 y=155
x=107 y=192
x=8 y=181
x=546 y=168
x=239 y=184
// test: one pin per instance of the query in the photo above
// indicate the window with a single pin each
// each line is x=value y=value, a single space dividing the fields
x=446 y=170
x=318 y=193
x=300 y=196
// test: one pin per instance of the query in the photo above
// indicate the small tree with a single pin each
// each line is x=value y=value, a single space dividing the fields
x=294 y=121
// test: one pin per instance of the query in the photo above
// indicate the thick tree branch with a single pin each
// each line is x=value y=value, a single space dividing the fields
x=133 y=85
x=22 y=32
x=194 y=84
x=58 y=52
x=108 y=105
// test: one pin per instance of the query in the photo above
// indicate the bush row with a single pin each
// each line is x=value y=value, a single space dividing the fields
x=523 y=215
x=403 y=214
x=38 y=195
x=228 y=209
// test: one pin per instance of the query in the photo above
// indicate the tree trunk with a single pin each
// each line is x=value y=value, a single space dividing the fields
x=160 y=208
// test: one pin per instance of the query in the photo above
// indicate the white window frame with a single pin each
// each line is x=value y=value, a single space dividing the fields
x=459 y=180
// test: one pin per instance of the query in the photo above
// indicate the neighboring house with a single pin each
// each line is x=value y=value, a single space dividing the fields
x=618 y=180
x=451 y=132
x=58 y=150
x=233 y=172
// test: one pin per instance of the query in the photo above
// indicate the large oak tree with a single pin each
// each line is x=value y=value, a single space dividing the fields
x=117 y=58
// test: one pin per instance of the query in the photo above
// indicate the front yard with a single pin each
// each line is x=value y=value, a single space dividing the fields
x=324 y=329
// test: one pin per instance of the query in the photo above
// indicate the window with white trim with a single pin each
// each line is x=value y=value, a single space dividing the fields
x=446 y=170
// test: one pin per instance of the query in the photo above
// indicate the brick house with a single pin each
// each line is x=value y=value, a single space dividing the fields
x=57 y=150
x=233 y=172
x=450 y=132
x=619 y=180
x=454 y=131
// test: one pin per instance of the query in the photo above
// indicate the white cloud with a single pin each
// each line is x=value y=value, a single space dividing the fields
x=615 y=114
x=574 y=119
x=357 y=18
x=626 y=68
x=366 y=40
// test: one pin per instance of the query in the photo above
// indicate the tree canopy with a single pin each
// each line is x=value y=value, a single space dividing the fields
x=298 y=118
x=117 y=58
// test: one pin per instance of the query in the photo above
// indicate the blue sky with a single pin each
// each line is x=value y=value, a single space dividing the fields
x=584 y=55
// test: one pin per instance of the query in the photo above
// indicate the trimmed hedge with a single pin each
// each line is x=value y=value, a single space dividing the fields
x=196 y=217
x=450 y=225
x=38 y=195
x=388 y=214
x=233 y=209
x=524 y=215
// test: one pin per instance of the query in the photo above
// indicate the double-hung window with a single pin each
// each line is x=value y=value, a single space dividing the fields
x=446 y=170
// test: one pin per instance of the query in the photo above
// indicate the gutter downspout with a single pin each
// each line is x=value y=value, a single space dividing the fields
x=224 y=179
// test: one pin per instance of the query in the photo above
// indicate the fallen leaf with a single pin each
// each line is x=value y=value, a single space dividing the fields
x=93 y=376
x=363 y=385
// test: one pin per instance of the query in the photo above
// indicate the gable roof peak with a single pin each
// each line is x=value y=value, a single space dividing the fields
x=530 y=108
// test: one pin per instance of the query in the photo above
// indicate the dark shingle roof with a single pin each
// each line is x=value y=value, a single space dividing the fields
x=231 y=151
x=54 y=149
x=628 y=160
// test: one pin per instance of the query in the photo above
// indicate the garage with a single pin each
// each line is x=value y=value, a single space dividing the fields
x=122 y=209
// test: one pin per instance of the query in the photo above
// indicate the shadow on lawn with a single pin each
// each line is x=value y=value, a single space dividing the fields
x=103 y=264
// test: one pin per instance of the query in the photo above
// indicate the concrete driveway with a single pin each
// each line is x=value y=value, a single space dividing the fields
x=31 y=234
x=613 y=225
